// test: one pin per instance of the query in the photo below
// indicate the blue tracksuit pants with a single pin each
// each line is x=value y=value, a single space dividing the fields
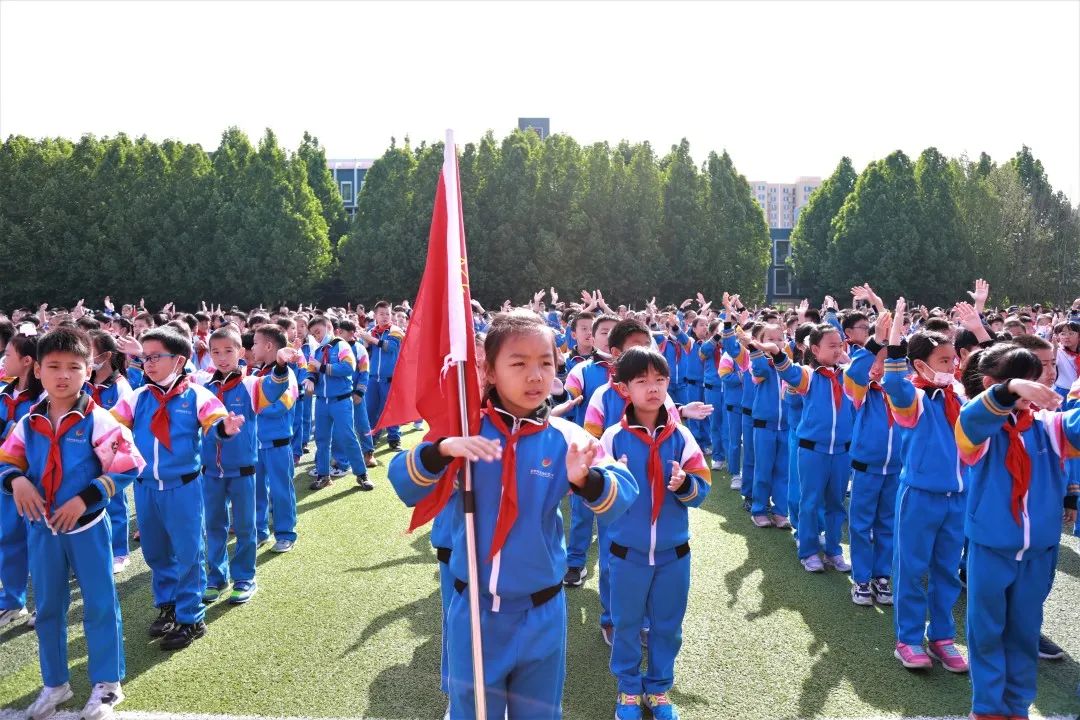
x=301 y=424
x=118 y=518
x=770 y=492
x=171 y=534
x=717 y=425
x=748 y=460
x=377 y=392
x=823 y=480
x=655 y=595
x=14 y=557
x=695 y=392
x=734 y=437
x=334 y=421
x=524 y=658
x=927 y=545
x=218 y=495
x=579 y=538
x=1004 y=614
x=87 y=552
x=446 y=593
x=274 y=492
x=794 y=489
x=871 y=516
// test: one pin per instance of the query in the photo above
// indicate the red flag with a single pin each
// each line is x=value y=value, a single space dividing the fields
x=440 y=334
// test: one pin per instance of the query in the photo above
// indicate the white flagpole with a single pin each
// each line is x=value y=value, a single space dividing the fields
x=459 y=356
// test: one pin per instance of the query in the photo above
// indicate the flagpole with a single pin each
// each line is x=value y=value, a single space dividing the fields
x=469 y=504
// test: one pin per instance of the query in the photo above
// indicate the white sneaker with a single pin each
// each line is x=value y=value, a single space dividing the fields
x=119 y=564
x=103 y=698
x=736 y=482
x=338 y=472
x=837 y=562
x=10 y=616
x=812 y=564
x=418 y=425
x=313 y=472
x=716 y=465
x=47 y=700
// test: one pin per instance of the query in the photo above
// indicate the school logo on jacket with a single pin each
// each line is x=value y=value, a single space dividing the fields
x=546 y=462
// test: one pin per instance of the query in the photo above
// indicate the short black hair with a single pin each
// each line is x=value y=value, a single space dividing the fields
x=319 y=320
x=937 y=324
x=274 y=334
x=921 y=344
x=851 y=319
x=623 y=330
x=226 y=332
x=637 y=361
x=346 y=325
x=64 y=340
x=601 y=319
x=247 y=340
x=7 y=331
x=171 y=338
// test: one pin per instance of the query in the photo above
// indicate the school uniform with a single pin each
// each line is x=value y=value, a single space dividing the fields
x=732 y=368
x=521 y=557
x=875 y=461
x=1068 y=370
x=14 y=552
x=794 y=403
x=361 y=422
x=106 y=394
x=711 y=355
x=929 y=536
x=770 y=429
x=334 y=381
x=676 y=348
x=1016 y=484
x=304 y=407
x=824 y=434
x=384 y=355
x=695 y=392
x=744 y=402
x=90 y=456
x=168 y=427
x=650 y=549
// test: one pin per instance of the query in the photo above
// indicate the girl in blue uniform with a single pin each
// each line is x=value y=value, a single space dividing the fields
x=524 y=463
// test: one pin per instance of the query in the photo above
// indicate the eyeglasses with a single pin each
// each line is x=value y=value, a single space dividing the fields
x=157 y=356
x=861 y=327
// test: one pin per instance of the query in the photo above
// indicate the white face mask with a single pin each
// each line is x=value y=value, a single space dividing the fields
x=97 y=366
x=943 y=379
x=168 y=381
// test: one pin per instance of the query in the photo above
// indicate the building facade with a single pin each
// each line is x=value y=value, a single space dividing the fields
x=349 y=176
x=782 y=203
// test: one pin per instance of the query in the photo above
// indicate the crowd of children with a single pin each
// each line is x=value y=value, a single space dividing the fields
x=942 y=441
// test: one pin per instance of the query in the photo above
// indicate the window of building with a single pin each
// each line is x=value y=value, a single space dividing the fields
x=781 y=248
x=346 y=192
x=781 y=282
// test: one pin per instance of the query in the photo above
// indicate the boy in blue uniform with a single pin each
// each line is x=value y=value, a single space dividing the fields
x=61 y=464
x=675 y=345
x=169 y=417
x=650 y=544
x=383 y=345
x=274 y=489
x=711 y=353
x=695 y=376
x=361 y=379
x=228 y=472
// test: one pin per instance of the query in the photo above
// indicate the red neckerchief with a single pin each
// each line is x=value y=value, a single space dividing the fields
x=508 y=509
x=96 y=389
x=380 y=329
x=655 y=466
x=1075 y=356
x=875 y=385
x=159 y=424
x=265 y=370
x=678 y=348
x=11 y=402
x=227 y=383
x=1017 y=460
x=53 y=474
x=952 y=403
x=833 y=376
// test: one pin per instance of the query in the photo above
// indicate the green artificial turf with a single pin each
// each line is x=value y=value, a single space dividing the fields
x=347 y=625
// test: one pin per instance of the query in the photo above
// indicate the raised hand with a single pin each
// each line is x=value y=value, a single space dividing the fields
x=678 y=476
x=108 y=304
x=685 y=303
x=474 y=448
x=898 y=321
x=803 y=307
x=1037 y=393
x=979 y=295
x=554 y=295
x=233 y=423
x=696 y=410
x=562 y=409
x=769 y=348
x=538 y=296
x=882 y=327
x=968 y=317
x=288 y=355
x=578 y=461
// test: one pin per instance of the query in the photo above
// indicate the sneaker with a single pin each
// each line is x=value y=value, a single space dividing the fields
x=628 y=707
x=812 y=564
x=262 y=540
x=418 y=425
x=608 y=633
x=716 y=465
x=183 y=635
x=781 y=521
x=103 y=698
x=165 y=623
x=320 y=482
x=761 y=521
x=336 y=472
x=282 y=546
x=912 y=657
x=47 y=701
x=313 y=472
x=136 y=536
x=747 y=504
x=119 y=564
x=945 y=652
x=242 y=591
x=212 y=594
x=661 y=707
x=736 y=482
x=861 y=594
x=296 y=461
x=837 y=562
x=363 y=483
x=882 y=590
x=395 y=445
x=10 y=616
x=575 y=576
x=1049 y=650
x=370 y=461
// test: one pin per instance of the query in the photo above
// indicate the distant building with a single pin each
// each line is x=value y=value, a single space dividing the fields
x=780 y=284
x=349 y=176
x=541 y=126
x=782 y=203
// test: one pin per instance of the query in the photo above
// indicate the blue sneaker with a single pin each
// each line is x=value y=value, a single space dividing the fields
x=661 y=707
x=243 y=590
x=628 y=707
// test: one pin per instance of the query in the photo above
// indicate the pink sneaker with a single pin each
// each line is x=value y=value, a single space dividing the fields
x=945 y=652
x=762 y=521
x=913 y=657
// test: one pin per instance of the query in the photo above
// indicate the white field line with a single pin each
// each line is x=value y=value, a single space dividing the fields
x=136 y=715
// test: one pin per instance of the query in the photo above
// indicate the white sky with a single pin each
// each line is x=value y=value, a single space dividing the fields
x=786 y=88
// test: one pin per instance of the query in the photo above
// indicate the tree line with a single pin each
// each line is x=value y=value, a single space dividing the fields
x=926 y=229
